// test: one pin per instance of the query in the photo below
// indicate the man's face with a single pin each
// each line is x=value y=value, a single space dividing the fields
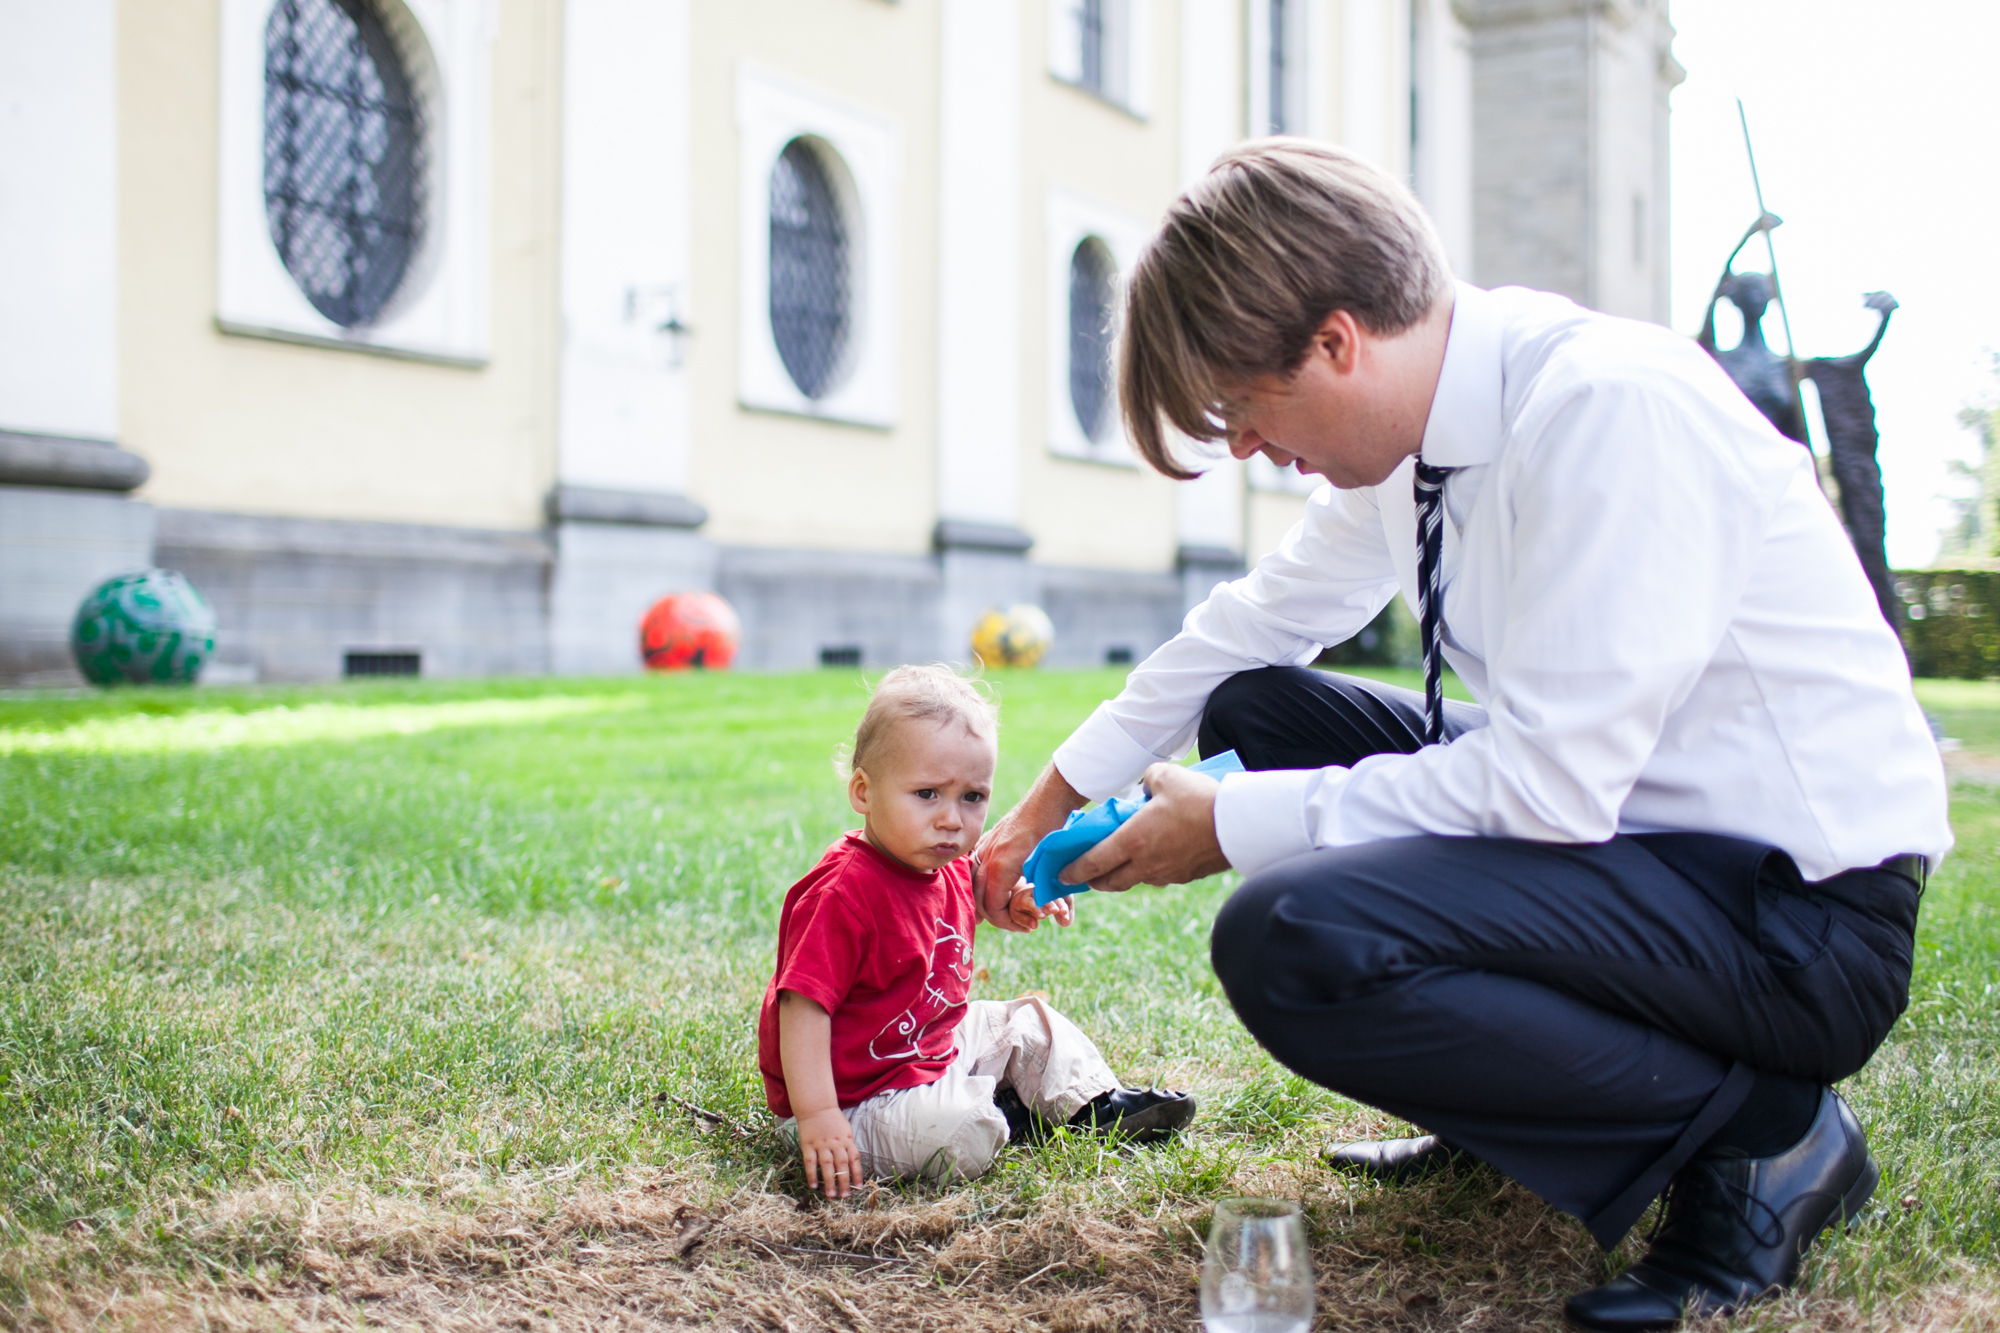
x=1348 y=414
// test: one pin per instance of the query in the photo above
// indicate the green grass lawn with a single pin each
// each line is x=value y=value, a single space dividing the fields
x=429 y=941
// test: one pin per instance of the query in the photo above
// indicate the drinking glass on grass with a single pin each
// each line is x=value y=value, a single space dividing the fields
x=1256 y=1275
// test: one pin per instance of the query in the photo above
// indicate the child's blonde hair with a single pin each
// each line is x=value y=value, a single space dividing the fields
x=934 y=693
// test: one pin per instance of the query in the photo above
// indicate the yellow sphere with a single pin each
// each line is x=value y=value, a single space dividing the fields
x=1016 y=637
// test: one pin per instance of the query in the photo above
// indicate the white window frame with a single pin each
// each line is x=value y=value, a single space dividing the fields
x=1128 y=44
x=771 y=111
x=441 y=311
x=1071 y=219
x=1303 y=38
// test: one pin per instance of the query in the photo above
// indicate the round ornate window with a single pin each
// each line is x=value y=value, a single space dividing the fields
x=343 y=155
x=811 y=304
x=1093 y=287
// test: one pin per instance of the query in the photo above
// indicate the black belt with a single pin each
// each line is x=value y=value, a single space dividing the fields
x=1910 y=866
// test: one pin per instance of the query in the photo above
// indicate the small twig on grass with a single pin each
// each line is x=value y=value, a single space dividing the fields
x=850 y=1254
x=716 y=1118
x=870 y=1259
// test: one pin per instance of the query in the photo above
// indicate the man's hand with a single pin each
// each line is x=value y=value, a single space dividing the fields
x=826 y=1143
x=997 y=861
x=1170 y=840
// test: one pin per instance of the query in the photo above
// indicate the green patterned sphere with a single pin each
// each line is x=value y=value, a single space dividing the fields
x=148 y=628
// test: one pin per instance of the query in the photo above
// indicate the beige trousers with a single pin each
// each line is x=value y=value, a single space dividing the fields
x=951 y=1129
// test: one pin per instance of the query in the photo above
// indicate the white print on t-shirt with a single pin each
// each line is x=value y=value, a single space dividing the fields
x=951 y=955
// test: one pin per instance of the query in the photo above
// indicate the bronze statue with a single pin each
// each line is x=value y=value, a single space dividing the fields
x=1764 y=376
x=1771 y=382
x=1851 y=440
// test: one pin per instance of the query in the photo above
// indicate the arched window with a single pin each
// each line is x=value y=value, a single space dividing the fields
x=343 y=155
x=811 y=297
x=1093 y=286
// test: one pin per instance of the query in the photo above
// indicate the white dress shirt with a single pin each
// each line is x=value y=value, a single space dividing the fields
x=1644 y=587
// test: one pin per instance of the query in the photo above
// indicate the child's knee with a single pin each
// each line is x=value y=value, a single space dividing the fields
x=967 y=1151
x=943 y=1131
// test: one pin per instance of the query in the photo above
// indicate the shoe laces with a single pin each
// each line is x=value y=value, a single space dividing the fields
x=1767 y=1231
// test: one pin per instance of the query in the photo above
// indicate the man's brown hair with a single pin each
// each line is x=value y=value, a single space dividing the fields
x=1249 y=262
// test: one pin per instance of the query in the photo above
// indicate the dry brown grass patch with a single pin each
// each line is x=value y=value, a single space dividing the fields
x=664 y=1252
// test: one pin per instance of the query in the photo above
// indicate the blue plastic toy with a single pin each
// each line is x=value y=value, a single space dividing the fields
x=1087 y=828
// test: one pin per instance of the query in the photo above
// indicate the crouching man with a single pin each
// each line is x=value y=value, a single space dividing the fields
x=1619 y=926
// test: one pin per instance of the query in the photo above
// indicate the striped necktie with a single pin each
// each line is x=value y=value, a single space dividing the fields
x=1430 y=552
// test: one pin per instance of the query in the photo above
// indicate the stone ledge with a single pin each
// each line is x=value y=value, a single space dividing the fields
x=69 y=463
x=270 y=534
x=644 y=509
x=1197 y=556
x=953 y=534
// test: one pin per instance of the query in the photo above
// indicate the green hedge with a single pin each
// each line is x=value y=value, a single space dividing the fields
x=1951 y=625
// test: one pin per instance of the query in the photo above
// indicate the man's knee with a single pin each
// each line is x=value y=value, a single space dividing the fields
x=1235 y=942
x=1301 y=935
x=1244 y=700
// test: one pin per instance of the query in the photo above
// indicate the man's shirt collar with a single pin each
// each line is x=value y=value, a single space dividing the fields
x=1464 y=425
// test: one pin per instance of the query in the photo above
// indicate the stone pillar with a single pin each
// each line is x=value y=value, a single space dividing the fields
x=624 y=531
x=65 y=523
x=1208 y=511
x=616 y=553
x=983 y=565
x=65 y=526
x=59 y=219
x=1570 y=148
x=1202 y=567
x=982 y=551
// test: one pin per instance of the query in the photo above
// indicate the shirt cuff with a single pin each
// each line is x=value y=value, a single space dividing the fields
x=1261 y=818
x=1100 y=760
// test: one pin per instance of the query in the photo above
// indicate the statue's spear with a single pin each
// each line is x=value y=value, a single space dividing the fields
x=1770 y=246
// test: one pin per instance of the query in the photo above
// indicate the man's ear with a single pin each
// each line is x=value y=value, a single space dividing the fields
x=857 y=791
x=1338 y=338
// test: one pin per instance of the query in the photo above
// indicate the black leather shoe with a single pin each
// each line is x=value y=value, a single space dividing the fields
x=1146 y=1115
x=1022 y=1123
x=1736 y=1228
x=1397 y=1161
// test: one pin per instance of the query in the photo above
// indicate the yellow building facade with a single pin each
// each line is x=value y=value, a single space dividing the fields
x=450 y=334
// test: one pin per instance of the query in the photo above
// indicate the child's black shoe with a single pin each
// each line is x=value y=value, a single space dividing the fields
x=1145 y=1115
x=1022 y=1123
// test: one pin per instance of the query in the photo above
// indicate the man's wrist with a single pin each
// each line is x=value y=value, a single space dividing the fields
x=1056 y=797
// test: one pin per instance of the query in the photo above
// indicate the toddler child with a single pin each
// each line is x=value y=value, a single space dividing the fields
x=869 y=1051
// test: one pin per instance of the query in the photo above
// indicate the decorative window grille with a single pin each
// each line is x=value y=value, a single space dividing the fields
x=1281 y=121
x=343 y=155
x=1090 y=32
x=811 y=304
x=1093 y=280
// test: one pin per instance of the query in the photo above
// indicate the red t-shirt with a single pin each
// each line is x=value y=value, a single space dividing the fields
x=887 y=951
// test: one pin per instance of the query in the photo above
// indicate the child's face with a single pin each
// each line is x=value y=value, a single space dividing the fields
x=925 y=792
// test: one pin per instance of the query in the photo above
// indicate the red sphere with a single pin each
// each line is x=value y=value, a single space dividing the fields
x=689 y=629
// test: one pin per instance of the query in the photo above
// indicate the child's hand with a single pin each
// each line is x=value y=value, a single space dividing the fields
x=826 y=1143
x=1021 y=909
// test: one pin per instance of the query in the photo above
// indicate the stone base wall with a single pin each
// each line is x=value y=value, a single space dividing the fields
x=55 y=546
x=294 y=596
